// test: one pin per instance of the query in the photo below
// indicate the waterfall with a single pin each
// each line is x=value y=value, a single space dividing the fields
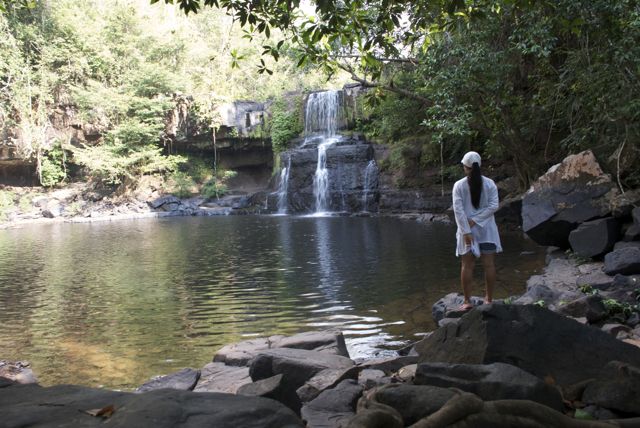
x=321 y=117
x=321 y=113
x=369 y=172
x=321 y=179
x=282 y=187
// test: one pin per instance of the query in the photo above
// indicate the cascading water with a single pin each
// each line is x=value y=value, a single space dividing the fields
x=369 y=173
x=282 y=188
x=321 y=121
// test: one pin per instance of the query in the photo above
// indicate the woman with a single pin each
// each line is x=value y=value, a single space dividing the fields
x=475 y=200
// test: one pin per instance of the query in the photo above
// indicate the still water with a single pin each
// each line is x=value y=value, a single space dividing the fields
x=113 y=304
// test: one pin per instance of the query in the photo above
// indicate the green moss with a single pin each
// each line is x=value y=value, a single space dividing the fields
x=286 y=122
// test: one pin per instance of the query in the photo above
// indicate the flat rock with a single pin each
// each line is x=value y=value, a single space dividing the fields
x=239 y=354
x=389 y=365
x=333 y=407
x=66 y=406
x=497 y=381
x=216 y=377
x=184 y=380
x=532 y=338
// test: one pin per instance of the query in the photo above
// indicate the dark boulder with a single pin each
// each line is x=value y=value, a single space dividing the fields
x=570 y=193
x=617 y=388
x=333 y=407
x=632 y=233
x=591 y=307
x=532 y=338
x=170 y=201
x=497 y=381
x=595 y=238
x=414 y=402
x=297 y=366
x=268 y=388
x=510 y=211
x=323 y=380
x=184 y=380
x=625 y=261
x=67 y=406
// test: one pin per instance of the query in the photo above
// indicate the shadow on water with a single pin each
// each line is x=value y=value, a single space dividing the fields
x=116 y=303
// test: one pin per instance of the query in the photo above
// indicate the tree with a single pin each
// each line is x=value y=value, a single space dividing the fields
x=525 y=81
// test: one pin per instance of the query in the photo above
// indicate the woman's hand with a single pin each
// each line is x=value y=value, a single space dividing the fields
x=471 y=223
x=468 y=239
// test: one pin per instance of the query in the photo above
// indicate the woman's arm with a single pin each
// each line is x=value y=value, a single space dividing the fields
x=458 y=210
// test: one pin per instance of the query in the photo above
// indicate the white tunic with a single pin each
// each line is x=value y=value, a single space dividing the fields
x=485 y=230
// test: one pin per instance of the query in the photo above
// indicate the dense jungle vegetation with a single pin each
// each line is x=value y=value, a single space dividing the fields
x=118 y=64
x=523 y=82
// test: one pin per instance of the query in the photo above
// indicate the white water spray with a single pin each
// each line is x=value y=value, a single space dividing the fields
x=321 y=119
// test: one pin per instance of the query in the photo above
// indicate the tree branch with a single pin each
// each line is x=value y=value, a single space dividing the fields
x=368 y=84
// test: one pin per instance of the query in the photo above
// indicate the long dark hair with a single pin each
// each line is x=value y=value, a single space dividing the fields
x=475 y=184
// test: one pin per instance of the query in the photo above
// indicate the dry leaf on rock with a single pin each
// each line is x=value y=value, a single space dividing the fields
x=105 y=412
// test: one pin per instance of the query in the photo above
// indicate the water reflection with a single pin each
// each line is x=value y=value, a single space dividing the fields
x=114 y=304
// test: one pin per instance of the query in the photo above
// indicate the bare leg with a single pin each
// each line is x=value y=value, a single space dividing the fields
x=466 y=276
x=488 y=263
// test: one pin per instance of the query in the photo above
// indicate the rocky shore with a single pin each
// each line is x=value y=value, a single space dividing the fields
x=566 y=353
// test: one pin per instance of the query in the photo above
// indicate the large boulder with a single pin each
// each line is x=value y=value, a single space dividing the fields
x=70 y=406
x=297 y=367
x=595 y=238
x=532 y=338
x=570 y=193
x=239 y=354
x=497 y=381
x=413 y=402
x=625 y=261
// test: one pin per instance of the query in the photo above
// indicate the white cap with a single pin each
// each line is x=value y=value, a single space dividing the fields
x=470 y=158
